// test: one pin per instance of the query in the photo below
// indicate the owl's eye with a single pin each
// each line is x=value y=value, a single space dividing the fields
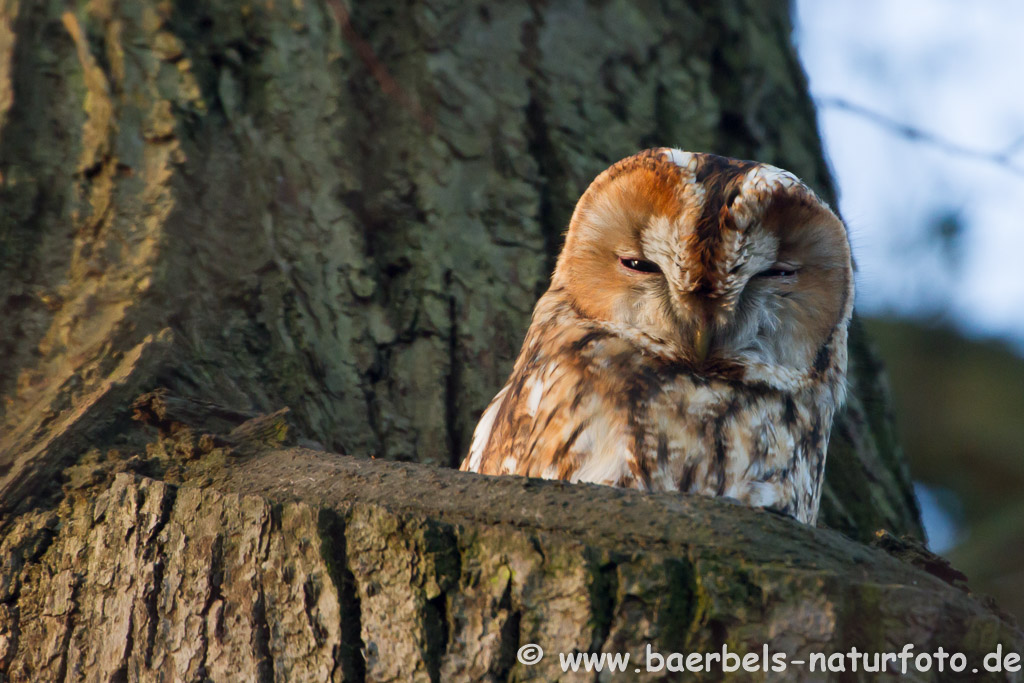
x=639 y=265
x=778 y=270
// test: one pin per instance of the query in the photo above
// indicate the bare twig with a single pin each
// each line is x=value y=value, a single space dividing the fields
x=1003 y=159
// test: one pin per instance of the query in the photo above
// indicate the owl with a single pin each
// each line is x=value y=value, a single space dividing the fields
x=693 y=338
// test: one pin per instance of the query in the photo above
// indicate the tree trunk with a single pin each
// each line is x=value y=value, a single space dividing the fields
x=349 y=213
x=299 y=565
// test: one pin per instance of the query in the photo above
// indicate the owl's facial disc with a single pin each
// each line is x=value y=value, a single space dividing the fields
x=727 y=263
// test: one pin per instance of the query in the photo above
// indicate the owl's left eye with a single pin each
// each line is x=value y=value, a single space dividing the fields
x=778 y=270
x=639 y=265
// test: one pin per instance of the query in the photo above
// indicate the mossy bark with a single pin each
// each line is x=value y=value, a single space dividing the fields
x=302 y=565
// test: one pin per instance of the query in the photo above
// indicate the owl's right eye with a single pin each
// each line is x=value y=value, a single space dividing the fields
x=639 y=265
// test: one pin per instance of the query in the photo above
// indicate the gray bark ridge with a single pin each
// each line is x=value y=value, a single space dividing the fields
x=302 y=565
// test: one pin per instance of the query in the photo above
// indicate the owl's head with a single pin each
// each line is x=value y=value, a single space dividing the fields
x=735 y=267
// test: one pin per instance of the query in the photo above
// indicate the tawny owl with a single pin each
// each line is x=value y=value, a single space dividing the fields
x=693 y=338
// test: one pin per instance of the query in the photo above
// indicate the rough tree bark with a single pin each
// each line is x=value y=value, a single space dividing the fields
x=299 y=565
x=350 y=212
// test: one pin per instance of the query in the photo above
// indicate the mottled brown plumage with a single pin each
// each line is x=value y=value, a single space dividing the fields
x=693 y=338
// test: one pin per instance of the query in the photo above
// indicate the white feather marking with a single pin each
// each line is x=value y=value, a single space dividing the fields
x=760 y=494
x=534 y=399
x=693 y=192
x=705 y=399
x=605 y=447
x=766 y=175
x=682 y=159
x=482 y=433
x=739 y=456
x=606 y=462
x=776 y=376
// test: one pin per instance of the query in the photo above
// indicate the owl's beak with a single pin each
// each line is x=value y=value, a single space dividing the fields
x=702 y=342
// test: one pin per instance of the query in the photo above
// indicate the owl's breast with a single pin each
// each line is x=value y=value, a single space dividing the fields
x=763 y=448
x=600 y=411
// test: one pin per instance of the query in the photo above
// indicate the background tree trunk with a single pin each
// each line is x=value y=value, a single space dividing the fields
x=349 y=213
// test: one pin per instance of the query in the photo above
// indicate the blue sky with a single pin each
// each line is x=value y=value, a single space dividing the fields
x=955 y=70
